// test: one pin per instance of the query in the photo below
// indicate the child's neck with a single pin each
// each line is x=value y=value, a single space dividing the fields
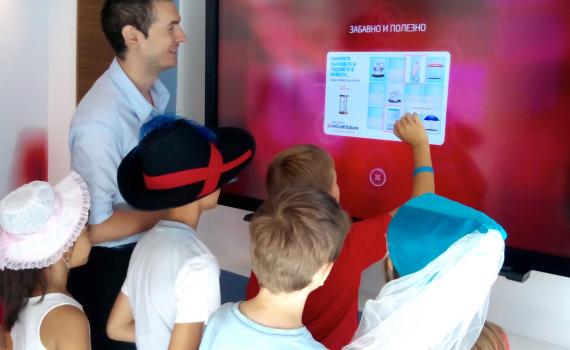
x=188 y=214
x=282 y=311
x=55 y=278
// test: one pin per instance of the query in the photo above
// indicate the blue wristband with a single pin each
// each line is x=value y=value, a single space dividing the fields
x=423 y=169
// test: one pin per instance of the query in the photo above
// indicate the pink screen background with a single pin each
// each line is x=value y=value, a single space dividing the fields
x=507 y=142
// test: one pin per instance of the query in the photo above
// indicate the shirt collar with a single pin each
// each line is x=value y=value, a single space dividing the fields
x=142 y=108
x=174 y=224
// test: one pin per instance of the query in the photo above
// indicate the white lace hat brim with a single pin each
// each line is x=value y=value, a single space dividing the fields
x=46 y=247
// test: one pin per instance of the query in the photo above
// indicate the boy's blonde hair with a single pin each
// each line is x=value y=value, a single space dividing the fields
x=302 y=165
x=492 y=337
x=293 y=234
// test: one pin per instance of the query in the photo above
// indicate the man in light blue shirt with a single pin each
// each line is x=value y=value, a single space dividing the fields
x=145 y=35
x=104 y=129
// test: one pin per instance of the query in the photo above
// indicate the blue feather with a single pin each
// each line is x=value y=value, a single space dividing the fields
x=165 y=121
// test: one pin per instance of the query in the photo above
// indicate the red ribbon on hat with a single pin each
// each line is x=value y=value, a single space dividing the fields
x=210 y=174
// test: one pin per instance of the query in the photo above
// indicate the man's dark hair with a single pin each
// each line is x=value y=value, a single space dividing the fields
x=118 y=13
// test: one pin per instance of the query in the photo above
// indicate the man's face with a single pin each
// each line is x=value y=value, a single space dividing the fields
x=160 y=49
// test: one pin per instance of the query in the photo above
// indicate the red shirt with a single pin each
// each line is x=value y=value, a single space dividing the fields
x=331 y=311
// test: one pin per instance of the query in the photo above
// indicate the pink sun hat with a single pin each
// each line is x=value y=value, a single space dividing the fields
x=39 y=222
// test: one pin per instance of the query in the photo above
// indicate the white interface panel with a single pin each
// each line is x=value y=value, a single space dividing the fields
x=366 y=92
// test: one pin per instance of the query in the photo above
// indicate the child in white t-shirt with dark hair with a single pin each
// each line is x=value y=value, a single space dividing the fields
x=172 y=284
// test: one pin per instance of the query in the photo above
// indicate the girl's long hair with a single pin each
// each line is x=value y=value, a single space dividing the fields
x=16 y=287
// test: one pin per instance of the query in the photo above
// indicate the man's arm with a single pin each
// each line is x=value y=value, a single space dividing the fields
x=186 y=336
x=121 y=323
x=96 y=155
x=123 y=223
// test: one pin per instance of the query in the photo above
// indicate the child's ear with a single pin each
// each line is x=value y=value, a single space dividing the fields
x=67 y=256
x=327 y=269
x=323 y=273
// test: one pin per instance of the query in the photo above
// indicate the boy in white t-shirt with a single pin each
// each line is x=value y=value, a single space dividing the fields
x=172 y=283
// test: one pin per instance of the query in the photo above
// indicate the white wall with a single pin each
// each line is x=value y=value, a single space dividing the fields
x=62 y=83
x=191 y=61
x=24 y=79
x=37 y=66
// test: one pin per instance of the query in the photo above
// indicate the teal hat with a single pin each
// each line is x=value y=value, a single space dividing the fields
x=425 y=226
